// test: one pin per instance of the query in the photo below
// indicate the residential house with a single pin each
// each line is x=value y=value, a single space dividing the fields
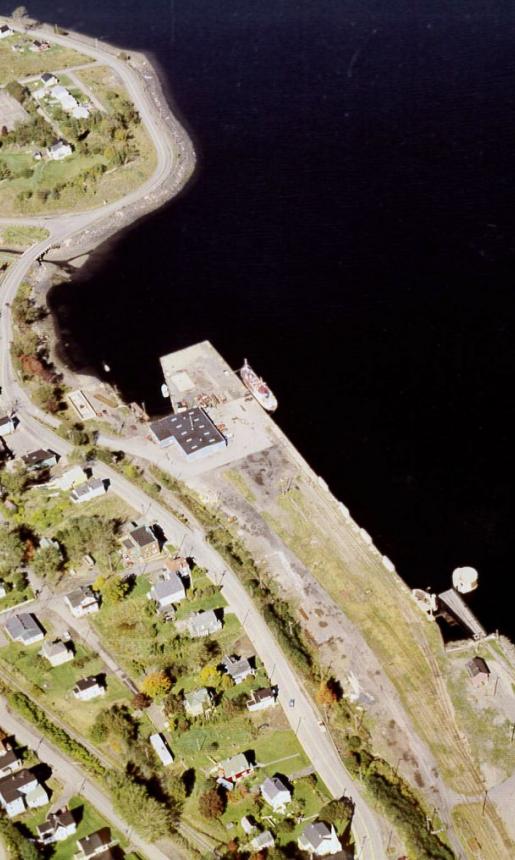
x=478 y=671
x=6 y=31
x=25 y=628
x=58 y=827
x=167 y=590
x=9 y=759
x=70 y=478
x=57 y=652
x=82 y=601
x=247 y=824
x=38 y=47
x=261 y=699
x=20 y=791
x=3 y=590
x=89 y=688
x=319 y=839
x=161 y=749
x=238 y=668
x=80 y=112
x=64 y=97
x=7 y=425
x=48 y=79
x=40 y=459
x=203 y=624
x=141 y=544
x=276 y=793
x=192 y=431
x=59 y=150
x=95 y=844
x=262 y=840
x=178 y=565
x=197 y=702
x=233 y=769
x=90 y=489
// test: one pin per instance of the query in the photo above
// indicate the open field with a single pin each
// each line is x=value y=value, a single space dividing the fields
x=22 y=64
x=21 y=237
x=15 y=596
x=11 y=111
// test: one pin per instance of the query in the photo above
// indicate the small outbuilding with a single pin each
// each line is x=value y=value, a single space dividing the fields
x=478 y=671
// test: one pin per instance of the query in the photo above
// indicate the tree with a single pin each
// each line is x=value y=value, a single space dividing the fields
x=156 y=684
x=114 y=590
x=210 y=676
x=212 y=803
x=12 y=550
x=327 y=693
x=47 y=561
x=338 y=812
x=133 y=801
x=15 y=481
x=141 y=701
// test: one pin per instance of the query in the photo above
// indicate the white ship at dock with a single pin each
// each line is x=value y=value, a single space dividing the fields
x=258 y=388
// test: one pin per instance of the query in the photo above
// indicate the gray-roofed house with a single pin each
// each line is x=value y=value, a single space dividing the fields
x=57 y=827
x=319 y=839
x=168 y=589
x=203 y=624
x=141 y=543
x=25 y=628
x=192 y=431
x=276 y=793
x=57 y=652
x=90 y=489
x=262 y=840
x=42 y=458
x=88 y=688
x=238 y=668
x=261 y=699
x=82 y=601
x=478 y=671
x=235 y=768
x=197 y=702
x=94 y=844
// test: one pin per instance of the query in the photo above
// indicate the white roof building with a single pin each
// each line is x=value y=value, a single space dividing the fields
x=319 y=839
x=276 y=793
x=82 y=601
x=90 y=489
x=196 y=702
x=7 y=425
x=72 y=477
x=161 y=749
x=59 y=150
x=203 y=624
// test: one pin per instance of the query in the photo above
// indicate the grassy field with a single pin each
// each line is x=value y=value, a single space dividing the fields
x=478 y=827
x=15 y=596
x=53 y=686
x=88 y=821
x=22 y=237
x=15 y=65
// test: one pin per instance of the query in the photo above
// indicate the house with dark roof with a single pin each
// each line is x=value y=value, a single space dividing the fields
x=20 y=791
x=40 y=459
x=192 y=432
x=82 y=601
x=57 y=827
x=25 y=628
x=5 y=31
x=10 y=762
x=261 y=699
x=319 y=839
x=95 y=844
x=478 y=671
x=89 y=688
x=48 y=79
x=141 y=544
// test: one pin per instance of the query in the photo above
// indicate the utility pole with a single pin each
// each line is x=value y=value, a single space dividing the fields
x=484 y=801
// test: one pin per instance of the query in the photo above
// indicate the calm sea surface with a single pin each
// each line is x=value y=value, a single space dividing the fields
x=351 y=230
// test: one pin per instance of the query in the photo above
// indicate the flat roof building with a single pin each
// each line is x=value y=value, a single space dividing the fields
x=192 y=431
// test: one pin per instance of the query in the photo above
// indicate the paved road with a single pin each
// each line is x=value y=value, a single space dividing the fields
x=303 y=717
x=69 y=772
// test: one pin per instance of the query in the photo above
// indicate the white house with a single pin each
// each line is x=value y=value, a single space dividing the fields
x=60 y=149
x=238 y=668
x=7 y=425
x=276 y=793
x=20 y=791
x=262 y=840
x=319 y=839
x=6 y=31
x=261 y=699
x=90 y=489
x=167 y=590
x=161 y=749
x=80 y=112
x=3 y=590
x=9 y=760
x=24 y=628
x=58 y=826
x=203 y=624
x=48 y=79
x=197 y=702
x=82 y=601
x=64 y=97
x=70 y=478
x=57 y=652
x=88 y=688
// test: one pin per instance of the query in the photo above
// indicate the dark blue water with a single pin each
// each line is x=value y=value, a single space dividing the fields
x=351 y=230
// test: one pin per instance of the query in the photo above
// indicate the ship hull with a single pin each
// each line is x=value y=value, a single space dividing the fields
x=258 y=388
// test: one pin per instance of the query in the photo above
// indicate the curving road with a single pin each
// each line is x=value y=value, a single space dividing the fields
x=303 y=717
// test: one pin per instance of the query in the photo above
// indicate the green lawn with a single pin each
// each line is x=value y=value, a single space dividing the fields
x=88 y=821
x=14 y=65
x=15 y=596
x=22 y=237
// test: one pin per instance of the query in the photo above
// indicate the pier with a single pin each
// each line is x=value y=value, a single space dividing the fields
x=452 y=602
